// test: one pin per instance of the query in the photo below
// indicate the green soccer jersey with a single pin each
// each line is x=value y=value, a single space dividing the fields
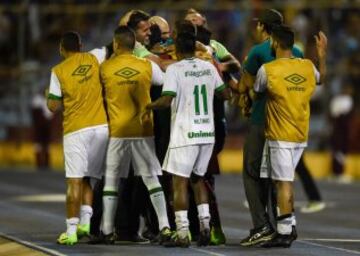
x=220 y=51
x=141 y=51
x=259 y=55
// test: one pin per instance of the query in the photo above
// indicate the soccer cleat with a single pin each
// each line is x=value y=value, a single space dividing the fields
x=102 y=239
x=204 y=237
x=148 y=234
x=177 y=241
x=217 y=236
x=314 y=206
x=279 y=240
x=132 y=239
x=294 y=232
x=65 y=239
x=258 y=236
x=83 y=230
x=165 y=235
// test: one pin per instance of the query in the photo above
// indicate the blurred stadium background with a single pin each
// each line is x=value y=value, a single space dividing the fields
x=29 y=35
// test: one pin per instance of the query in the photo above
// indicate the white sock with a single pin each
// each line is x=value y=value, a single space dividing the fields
x=157 y=199
x=293 y=219
x=86 y=212
x=284 y=224
x=204 y=216
x=110 y=201
x=182 y=223
x=71 y=225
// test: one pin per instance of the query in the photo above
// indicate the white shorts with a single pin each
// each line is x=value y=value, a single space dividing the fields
x=185 y=160
x=139 y=152
x=280 y=159
x=84 y=152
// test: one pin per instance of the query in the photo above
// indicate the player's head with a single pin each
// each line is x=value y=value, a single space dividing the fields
x=184 y=26
x=163 y=26
x=267 y=20
x=70 y=42
x=125 y=18
x=203 y=35
x=195 y=17
x=139 y=22
x=185 y=45
x=124 y=39
x=282 y=37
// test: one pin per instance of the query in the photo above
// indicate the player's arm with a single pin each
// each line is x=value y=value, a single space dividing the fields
x=224 y=93
x=163 y=64
x=221 y=89
x=53 y=95
x=163 y=102
x=228 y=62
x=260 y=84
x=157 y=76
x=168 y=92
x=321 y=45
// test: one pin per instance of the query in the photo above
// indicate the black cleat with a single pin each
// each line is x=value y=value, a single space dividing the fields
x=204 y=238
x=102 y=239
x=279 y=240
x=164 y=235
x=176 y=241
x=258 y=236
x=294 y=233
x=132 y=239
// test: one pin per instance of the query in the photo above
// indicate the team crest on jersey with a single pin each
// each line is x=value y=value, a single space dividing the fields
x=81 y=70
x=126 y=72
x=295 y=79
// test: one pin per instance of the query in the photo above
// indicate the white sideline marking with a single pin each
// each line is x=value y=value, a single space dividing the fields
x=32 y=245
x=207 y=252
x=333 y=240
x=41 y=198
x=330 y=247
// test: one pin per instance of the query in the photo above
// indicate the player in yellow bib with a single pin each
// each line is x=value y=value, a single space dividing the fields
x=127 y=80
x=75 y=86
x=290 y=83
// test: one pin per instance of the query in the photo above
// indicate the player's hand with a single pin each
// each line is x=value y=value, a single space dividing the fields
x=245 y=104
x=246 y=112
x=234 y=100
x=146 y=116
x=244 y=100
x=321 y=44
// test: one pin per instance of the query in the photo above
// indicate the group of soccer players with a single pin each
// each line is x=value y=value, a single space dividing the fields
x=109 y=115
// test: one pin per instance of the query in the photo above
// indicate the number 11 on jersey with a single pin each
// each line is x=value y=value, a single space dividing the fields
x=203 y=93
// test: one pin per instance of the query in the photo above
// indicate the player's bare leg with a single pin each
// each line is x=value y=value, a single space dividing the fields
x=285 y=197
x=181 y=205
x=73 y=202
x=285 y=222
x=202 y=202
x=86 y=210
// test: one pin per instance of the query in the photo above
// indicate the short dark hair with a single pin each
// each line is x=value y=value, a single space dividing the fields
x=136 y=17
x=203 y=35
x=185 y=26
x=270 y=18
x=284 y=36
x=155 y=36
x=125 y=37
x=185 y=43
x=71 y=41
